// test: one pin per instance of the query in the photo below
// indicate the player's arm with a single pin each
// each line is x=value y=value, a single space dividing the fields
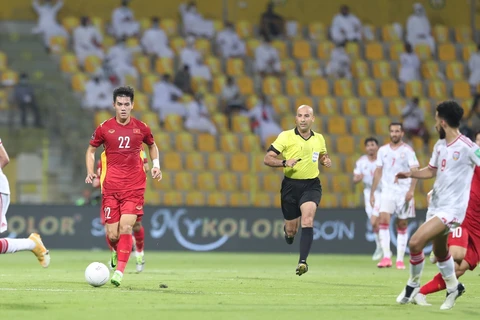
x=424 y=173
x=4 y=159
x=90 y=164
x=357 y=174
x=277 y=147
x=153 y=152
x=324 y=158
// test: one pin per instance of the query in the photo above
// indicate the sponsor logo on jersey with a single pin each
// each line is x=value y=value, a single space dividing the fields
x=138 y=207
x=456 y=155
x=111 y=131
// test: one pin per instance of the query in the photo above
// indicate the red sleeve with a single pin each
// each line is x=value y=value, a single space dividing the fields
x=97 y=138
x=148 y=136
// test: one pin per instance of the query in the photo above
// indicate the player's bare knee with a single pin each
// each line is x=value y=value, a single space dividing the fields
x=112 y=235
x=137 y=226
x=384 y=218
x=126 y=229
x=416 y=244
x=290 y=231
x=307 y=222
x=402 y=223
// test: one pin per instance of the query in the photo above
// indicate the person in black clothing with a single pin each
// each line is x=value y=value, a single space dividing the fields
x=24 y=97
x=272 y=24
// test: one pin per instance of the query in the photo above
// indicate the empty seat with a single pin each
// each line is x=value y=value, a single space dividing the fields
x=239 y=162
x=288 y=67
x=183 y=181
x=184 y=141
x=360 y=69
x=343 y=88
x=360 y=126
x=336 y=125
x=217 y=161
x=217 y=199
x=463 y=34
x=301 y=49
x=194 y=161
x=195 y=199
x=455 y=70
x=319 y=87
x=414 y=89
x=206 y=181
x=68 y=63
x=169 y=26
x=389 y=34
x=367 y=88
x=173 y=123
x=324 y=49
x=375 y=107
x=461 y=90
x=227 y=181
x=440 y=33
x=310 y=68
x=271 y=86
x=164 y=65
x=396 y=49
x=381 y=70
x=244 y=29
x=245 y=85
x=235 y=67
x=295 y=86
x=250 y=182
x=172 y=161
x=328 y=106
x=447 y=52
x=351 y=107
x=162 y=140
x=173 y=198
x=317 y=31
x=389 y=89
x=430 y=70
x=281 y=105
x=271 y=182
x=437 y=89
x=346 y=144
x=251 y=143
x=381 y=126
x=241 y=124
x=374 y=51
x=423 y=51
x=206 y=142
x=239 y=199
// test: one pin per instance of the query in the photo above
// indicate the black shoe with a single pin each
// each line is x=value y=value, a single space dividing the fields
x=288 y=240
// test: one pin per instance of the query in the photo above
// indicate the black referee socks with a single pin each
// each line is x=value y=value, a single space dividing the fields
x=306 y=240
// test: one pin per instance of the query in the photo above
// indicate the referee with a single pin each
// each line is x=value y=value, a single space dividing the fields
x=301 y=191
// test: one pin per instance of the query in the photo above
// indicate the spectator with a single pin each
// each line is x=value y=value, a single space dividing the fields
x=24 y=97
x=339 y=64
x=183 y=80
x=409 y=65
x=54 y=30
x=166 y=98
x=271 y=24
x=229 y=43
x=87 y=41
x=193 y=22
x=198 y=117
x=201 y=70
x=346 y=26
x=98 y=92
x=123 y=22
x=267 y=60
x=47 y=15
x=232 y=101
x=474 y=66
x=418 y=28
x=414 y=122
x=120 y=60
x=189 y=55
x=263 y=120
x=155 y=41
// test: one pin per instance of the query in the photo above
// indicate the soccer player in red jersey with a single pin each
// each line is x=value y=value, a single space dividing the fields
x=123 y=178
x=463 y=242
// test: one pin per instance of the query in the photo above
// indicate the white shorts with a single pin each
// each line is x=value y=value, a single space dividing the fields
x=451 y=220
x=4 y=203
x=394 y=203
x=368 y=208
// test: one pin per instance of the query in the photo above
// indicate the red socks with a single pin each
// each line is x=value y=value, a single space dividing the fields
x=139 y=239
x=124 y=249
x=435 y=285
x=3 y=245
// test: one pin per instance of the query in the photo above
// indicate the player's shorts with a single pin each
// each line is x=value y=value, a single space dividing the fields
x=449 y=219
x=464 y=238
x=368 y=207
x=128 y=202
x=4 y=203
x=394 y=203
x=296 y=192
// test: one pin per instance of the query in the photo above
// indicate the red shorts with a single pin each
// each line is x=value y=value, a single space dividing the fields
x=461 y=237
x=128 y=202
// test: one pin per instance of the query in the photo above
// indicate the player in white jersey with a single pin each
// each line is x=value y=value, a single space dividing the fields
x=363 y=172
x=33 y=242
x=395 y=198
x=452 y=163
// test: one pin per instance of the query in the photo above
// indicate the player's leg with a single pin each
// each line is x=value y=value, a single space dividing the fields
x=386 y=209
x=372 y=214
x=124 y=246
x=405 y=211
x=290 y=228
x=111 y=216
x=291 y=212
x=139 y=236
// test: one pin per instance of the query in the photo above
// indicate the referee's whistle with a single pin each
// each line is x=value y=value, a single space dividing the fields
x=298 y=160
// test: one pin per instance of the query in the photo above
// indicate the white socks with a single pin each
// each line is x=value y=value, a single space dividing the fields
x=447 y=269
x=417 y=261
x=14 y=245
x=384 y=235
x=402 y=240
x=377 y=241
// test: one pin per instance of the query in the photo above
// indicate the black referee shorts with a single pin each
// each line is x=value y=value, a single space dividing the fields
x=296 y=192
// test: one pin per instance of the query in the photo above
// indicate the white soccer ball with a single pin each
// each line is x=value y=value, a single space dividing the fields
x=97 y=274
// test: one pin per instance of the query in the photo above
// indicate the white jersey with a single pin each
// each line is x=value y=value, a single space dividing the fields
x=393 y=161
x=4 y=187
x=455 y=164
x=366 y=168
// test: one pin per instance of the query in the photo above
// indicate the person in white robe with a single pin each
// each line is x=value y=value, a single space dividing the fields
x=474 y=68
x=98 y=93
x=409 y=65
x=123 y=21
x=47 y=15
x=229 y=43
x=201 y=70
x=155 y=41
x=198 y=117
x=166 y=98
x=120 y=58
x=339 y=65
x=419 y=29
x=54 y=30
x=194 y=23
x=263 y=117
x=189 y=55
x=345 y=26
x=267 y=59
x=87 y=41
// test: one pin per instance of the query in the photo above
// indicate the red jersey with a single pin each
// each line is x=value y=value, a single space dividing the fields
x=121 y=167
x=472 y=217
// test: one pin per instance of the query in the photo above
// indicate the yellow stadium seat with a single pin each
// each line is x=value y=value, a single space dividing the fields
x=101 y=116
x=227 y=181
x=173 y=198
x=220 y=121
x=360 y=69
x=317 y=31
x=353 y=50
x=304 y=101
x=281 y=48
x=328 y=106
x=164 y=65
x=430 y=70
x=319 y=87
x=195 y=199
x=258 y=165
x=68 y=63
x=217 y=161
x=252 y=101
x=389 y=89
x=195 y=161
x=360 y=126
x=229 y=142
x=203 y=46
x=183 y=181
x=281 y=105
x=437 y=90
x=389 y=34
x=461 y=90
x=78 y=82
x=367 y=88
x=108 y=42
x=440 y=33
x=148 y=82
x=252 y=45
x=396 y=49
x=142 y=63
x=336 y=125
x=395 y=107
x=337 y=166
x=151 y=119
x=241 y=124
x=381 y=126
x=235 y=67
x=271 y=182
x=3 y=100
x=177 y=44
x=244 y=29
x=132 y=43
x=447 y=52
x=251 y=143
x=374 y=51
x=3 y=61
x=301 y=49
x=239 y=162
x=346 y=144
x=467 y=50
x=287 y=122
x=172 y=161
x=99 y=23
x=351 y=107
x=414 y=89
x=206 y=181
x=351 y=200
x=217 y=199
x=165 y=183
x=420 y=201
x=211 y=102
x=199 y=85
x=169 y=26
x=271 y=86
x=239 y=199
x=262 y=200
x=288 y=67
x=423 y=51
x=295 y=86
x=92 y=64
x=455 y=70
x=70 y=23
x=214 y=65
x=218 y=84
x=58 y=44
x=184 y=141
x=381 y=70
x=343 y=88
x=162 y=140
x=329 y=200
x=310 y=68
x=375 y=107
x=186 y=98
x=324 y=49
x=463 y=34
x=173 y=123
x=250 y=182
x=342 y=184
x=206 y=142
x=427 y=185
x=145 y=23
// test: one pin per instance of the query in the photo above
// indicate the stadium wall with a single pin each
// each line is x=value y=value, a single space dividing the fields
x=200 y=229
x=376 y=12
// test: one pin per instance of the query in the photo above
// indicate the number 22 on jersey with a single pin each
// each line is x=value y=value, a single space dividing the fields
x=124 y=142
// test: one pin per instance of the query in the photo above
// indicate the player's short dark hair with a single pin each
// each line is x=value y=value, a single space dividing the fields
x=451 y=112
x=370 y=139
x=396 y=124
x=126 y=91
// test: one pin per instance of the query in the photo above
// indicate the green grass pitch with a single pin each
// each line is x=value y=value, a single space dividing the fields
x=218 y=286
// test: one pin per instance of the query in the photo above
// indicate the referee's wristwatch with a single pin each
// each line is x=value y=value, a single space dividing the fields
x=284 y=163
